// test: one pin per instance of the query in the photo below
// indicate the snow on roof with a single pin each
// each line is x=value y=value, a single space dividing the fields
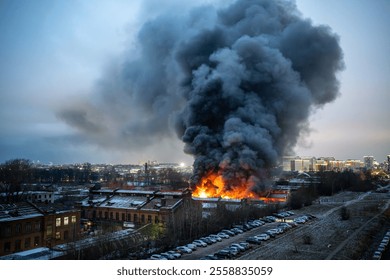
x=95 y=199
x=124 y=202
x=170 y=193
x=41 y=253
x=18 y=211
x=134 y=192
x=158 y=203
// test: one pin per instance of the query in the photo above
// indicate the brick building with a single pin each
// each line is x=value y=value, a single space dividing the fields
x=137 y=207
x=25 y=226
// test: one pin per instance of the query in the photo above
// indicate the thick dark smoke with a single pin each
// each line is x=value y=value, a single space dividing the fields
x=238 y=84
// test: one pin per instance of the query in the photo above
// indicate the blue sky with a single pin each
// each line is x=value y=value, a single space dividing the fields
x=55 y=51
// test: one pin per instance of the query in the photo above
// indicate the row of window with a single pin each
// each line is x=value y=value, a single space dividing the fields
x=20 y=228
x=28 y=244
x=128 y=217
x=65 y=221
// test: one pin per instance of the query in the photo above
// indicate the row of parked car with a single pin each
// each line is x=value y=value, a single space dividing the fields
x=227 y=233
x=382 y=246
x=211 y=239
x=258 y=239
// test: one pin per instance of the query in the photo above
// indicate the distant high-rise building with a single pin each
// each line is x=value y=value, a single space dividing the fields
x=388 y=163
x=288 y=163
x=368 y=162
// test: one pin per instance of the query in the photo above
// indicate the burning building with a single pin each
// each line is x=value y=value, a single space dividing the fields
x=237 y=84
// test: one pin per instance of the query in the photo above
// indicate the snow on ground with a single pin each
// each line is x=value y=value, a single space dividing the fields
x=321 y=238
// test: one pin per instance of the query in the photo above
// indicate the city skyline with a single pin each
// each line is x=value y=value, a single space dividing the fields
x=54 y=53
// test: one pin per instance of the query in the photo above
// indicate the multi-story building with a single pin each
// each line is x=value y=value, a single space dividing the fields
x=136 y=207
x=368 y=162
x=24 y=226
x=40 y=196
x=388 y=163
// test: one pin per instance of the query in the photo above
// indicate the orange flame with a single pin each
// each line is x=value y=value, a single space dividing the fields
x=214 y=186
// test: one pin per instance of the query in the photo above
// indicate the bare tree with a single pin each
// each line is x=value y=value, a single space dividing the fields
x=13 y=174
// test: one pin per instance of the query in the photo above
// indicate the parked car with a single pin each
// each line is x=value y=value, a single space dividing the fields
x=223 y=235
x=216 y=237
x=237 y=230
x=253 y=240
x=271 y=233
x=377 y=255
x=293 y=224
x=209 y=257
x=199 y=243
x=157 y=257
x=263 y=236
x=234 y=251
x=223 y=254
x=184 y=250
x=238 y=246
x=191 y=246
x=228 y=232
x=206 y=240
x=247 y=226
x=175 y=254
x=246 y=245
x=271 y=218
x=167 y=256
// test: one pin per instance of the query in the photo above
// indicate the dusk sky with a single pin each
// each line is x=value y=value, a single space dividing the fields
x=57 y=54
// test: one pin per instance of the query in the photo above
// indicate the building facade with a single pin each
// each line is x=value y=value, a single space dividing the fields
x=25 y=226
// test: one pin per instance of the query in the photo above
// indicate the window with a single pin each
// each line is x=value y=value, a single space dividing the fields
x=66 y=235
x=27 y=242
x=156 y=219
x=18 y=228
x=123 y=216
x=58 y=222
x=18 y=245
x=142 y=218
x=8 y=231
x=28 y=227
x=129 y=217
x=135 y=218
x=149 y=218
x=7 y=247
x=117 y=216
x=111 y=215
x=58 y=235
x=66 y=221
x=73 y=219
x=106 y=215
x=37 y=226
x=49 y=230
x=100 y=214
x=36 y=241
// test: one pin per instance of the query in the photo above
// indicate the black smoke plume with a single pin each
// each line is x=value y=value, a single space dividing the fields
x=238 y=85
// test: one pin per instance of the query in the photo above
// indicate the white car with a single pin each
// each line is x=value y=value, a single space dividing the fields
x=216 y=237
x=175 y=254
x=157 y=257
x=262 y=236
x=184 y=249
x=238 y=246
x=191 y=246
x=199 y=243
x=223 y=235
x=167 y=256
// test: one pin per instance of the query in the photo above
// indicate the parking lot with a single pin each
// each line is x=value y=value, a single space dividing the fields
x=323 y=237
